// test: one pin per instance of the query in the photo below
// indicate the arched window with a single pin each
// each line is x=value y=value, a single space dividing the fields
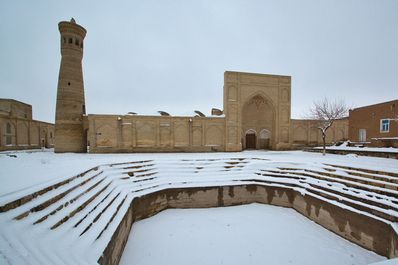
x=9 y=133
x=264 y=139
x=8 y=128
x=265 y=134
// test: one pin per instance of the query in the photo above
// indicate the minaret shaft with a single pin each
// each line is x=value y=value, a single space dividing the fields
x=69 y=131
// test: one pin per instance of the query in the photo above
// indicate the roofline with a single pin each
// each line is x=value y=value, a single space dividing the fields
x=10 y=99
x=314 y=120
x=43 y=122
x=381 y=103
x=260 y=74
x=152 y=116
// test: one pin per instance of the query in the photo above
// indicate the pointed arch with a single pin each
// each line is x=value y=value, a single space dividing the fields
x=261 y=94
x=265 y=134
x=251 y=131
x=258 y=114
x=9 y=133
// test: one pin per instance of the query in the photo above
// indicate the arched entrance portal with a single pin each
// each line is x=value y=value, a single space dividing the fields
x=250 y=140
x=258 y=115
x=264 y=139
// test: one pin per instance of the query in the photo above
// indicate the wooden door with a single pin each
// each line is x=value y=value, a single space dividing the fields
x=250 y=141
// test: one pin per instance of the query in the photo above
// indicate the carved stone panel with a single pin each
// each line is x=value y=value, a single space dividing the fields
x=214 y=135
x=233 y=135
x=258 y=79
x=284 y=116
x=165 y=134
x=232 y=93
x=314 y=132
x=181 y=133
x=22 y=133
x=197 y=136
x=285 y=80
x=231 y=77
x=285 y=95
x=232 y=113
x=126 y=134
x=300 y=134
x=34 y=135
x=284 y=138
x=146 y=133
x=106 y=136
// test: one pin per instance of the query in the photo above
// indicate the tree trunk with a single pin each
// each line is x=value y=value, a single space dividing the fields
x=324 y=143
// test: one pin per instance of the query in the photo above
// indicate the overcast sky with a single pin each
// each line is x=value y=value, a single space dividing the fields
x=170 y=55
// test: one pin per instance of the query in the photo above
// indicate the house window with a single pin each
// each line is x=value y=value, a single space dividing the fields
x=362 y=135
x=385 y=125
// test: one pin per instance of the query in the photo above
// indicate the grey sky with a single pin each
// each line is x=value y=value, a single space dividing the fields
x=145 y=56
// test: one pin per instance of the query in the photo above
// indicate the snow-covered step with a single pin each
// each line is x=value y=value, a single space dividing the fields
x=381 y=210
x=41 y=193
x=370 y=171
x=355 y=183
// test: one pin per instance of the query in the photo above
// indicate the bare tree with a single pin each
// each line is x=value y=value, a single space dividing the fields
x=325 y=112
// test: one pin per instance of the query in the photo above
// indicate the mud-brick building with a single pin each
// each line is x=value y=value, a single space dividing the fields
x=375 y=125
x=19 y=130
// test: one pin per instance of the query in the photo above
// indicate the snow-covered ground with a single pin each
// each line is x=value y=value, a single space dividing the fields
x=31 y=170
x=251 y=234
x=73 y=223
x=345 y=147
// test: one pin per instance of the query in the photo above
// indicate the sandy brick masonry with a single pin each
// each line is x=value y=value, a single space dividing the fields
x=69 y=134
x=19 y=131
x=256 y=115
x=360 y=229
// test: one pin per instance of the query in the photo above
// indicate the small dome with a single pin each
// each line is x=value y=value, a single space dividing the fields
x=72 y=20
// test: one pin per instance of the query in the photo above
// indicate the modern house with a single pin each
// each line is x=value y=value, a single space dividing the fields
x=375 y=125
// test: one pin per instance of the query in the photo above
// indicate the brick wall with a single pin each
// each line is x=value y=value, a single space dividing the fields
x=369 y=118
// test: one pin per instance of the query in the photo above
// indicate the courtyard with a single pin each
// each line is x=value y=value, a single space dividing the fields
x=65 y=208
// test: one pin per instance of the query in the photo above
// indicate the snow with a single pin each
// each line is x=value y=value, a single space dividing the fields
x=81 y=239
x=32 y=170
x=345 y=147
x=385 y=138
x=183 y=114
x=387 y=262
x=250 y=234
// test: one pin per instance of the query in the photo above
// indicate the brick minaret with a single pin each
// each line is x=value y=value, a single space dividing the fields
x=69 y=132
